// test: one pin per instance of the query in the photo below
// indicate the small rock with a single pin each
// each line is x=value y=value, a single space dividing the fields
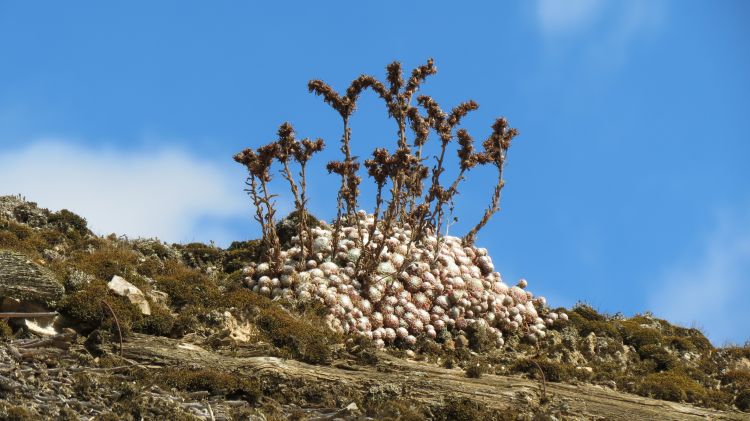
x=349 y=410
x=158 y=297
x=123 y=288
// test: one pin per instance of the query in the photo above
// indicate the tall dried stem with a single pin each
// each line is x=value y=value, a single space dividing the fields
x=495 y=152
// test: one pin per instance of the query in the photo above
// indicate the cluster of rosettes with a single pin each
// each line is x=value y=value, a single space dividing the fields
x=424 y=289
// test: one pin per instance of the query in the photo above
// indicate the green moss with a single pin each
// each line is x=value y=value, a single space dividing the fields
x=106 y=262
x=465 y=409
x=5 y=329
x=476 y=368
x=396 y=410
x=479 y=339
x=21 y=238
x=553 y=371
x=17 y=413
x=699 y=341
x=680 y=343
x=633 y=333
x=306 y=338
x=188 y=320
x=742 y=400
x=672 y=386
x=245 y=300
x=738 y=378
x=187 y=286
x=737 y=352
x=67 y=221
x=288 y=227
x=588 y=313
x=660 y=356
x=160 y=322
x=363 y=350
x=200 y=255
x=228 y=385
x=586 y=320
x=86 y=308
x=240 y=253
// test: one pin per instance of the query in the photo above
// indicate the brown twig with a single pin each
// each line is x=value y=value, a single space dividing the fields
x=495 y=152
x=27 y=315
x=541 y=372
x=117 y=323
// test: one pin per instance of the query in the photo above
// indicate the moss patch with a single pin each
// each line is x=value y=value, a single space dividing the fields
x=106 y=262
x=742 y=401
x=240 y=253
x=553 y=371
x=188 y=286
x=85 y=307
x=228 y=385
x=306 y=338
x=464 y=409
x=5 y=329
x=676 y=386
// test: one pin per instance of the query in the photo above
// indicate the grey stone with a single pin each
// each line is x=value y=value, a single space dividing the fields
x=27 y=281
x=121 y=287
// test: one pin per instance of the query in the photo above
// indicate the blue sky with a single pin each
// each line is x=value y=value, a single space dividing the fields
x=628 y=188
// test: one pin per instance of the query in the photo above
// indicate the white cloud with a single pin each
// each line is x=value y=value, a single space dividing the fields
x=566 y=15
x=602 y=31
x=166 y=194
x=711 y=290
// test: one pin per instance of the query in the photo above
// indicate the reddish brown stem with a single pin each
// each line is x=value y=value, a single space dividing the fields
x=117 y=323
